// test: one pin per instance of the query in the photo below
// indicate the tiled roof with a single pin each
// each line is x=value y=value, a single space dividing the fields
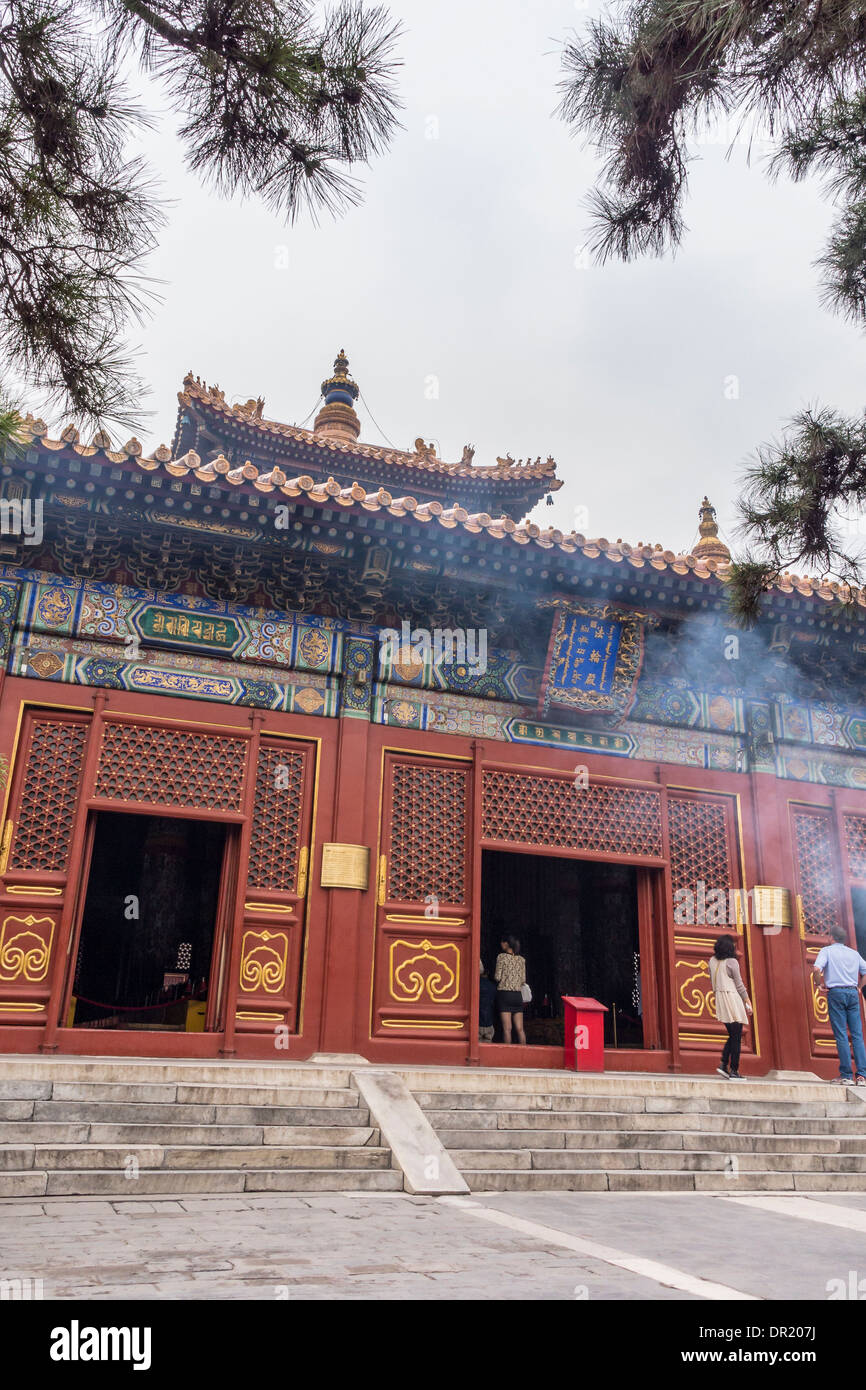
x=424 y=461
x=334 y=494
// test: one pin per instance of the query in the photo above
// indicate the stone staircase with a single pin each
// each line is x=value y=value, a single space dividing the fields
x=635 y=1133
x=124 y=1128
x=131 y=1129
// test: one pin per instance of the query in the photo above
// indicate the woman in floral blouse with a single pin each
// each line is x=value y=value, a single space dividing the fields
x=510 y=977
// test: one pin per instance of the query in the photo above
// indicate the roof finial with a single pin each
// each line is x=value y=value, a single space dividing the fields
x=710 y=547
x=337 y=418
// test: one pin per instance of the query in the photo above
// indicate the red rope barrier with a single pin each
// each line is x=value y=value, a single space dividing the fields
x=135 y=1008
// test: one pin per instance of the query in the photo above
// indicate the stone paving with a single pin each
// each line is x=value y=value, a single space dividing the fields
x=395 y=1246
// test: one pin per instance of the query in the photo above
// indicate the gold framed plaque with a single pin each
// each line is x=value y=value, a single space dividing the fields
x=345 y=866
x=772 y=906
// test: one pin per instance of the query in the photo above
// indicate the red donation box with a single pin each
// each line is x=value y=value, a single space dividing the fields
x=584 y=1033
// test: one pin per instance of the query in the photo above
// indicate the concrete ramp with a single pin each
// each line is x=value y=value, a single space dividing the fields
x=427 y=1166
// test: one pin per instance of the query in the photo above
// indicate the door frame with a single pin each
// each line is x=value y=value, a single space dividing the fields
x=221 y=925
x=25 y=700
x=648 y=886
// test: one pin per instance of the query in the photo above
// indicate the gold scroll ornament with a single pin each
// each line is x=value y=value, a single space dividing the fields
x=25 y=953
x=264 y=957
x=419 y=967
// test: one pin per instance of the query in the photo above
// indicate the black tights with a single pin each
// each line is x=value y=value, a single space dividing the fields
x=731 y=1050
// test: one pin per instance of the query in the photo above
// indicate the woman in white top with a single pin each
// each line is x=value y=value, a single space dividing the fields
x=733 y=1005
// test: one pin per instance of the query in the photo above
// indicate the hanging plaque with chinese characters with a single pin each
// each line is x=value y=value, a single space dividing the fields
x=593 y=658
x=174 y=627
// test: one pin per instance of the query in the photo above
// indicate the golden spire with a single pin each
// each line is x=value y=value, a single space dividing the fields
x=337 y=418
x=710 y=547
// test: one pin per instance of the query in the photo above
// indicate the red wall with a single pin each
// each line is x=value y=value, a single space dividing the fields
x=349 y=946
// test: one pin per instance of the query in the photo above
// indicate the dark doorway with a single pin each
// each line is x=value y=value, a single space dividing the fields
x=144 y=953
x=858 y=900
x=578 y=925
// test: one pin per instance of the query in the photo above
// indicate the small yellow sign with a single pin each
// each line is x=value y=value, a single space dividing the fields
x=772 y=906
x=345 y=866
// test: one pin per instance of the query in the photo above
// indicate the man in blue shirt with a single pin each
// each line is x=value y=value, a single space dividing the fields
x=839 y=970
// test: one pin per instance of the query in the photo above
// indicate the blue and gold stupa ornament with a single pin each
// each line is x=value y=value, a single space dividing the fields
x=337 y=418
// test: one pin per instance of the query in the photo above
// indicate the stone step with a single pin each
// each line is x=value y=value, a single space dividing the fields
x=299 y=1180
x=268 y=1156
x=732 y=1104
x=352 y=1136
x=590 y=1141
x=145 y=1112
x=767 y=1143
x=25 y=1090
x=292 y=1115
x=42 y=1132
x=17 y=1109
x=706 y=1160
x=19 y=1157
x=498 y=1180
x=514 y=1080
x=506 y=1180
x=190 y=1094
x=495 y=1100
x=501 y=1138
x=623 y=1104
x=600 y=1120
x=177 y=1182
x=171 y=1071
x=307 y=1096
x=511 y=1159
x=472 y=1160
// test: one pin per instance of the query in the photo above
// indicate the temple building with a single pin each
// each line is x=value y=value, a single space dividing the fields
x=295 y=729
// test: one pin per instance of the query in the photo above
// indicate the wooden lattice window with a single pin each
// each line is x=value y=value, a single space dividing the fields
x=46 y=807
x=699 y=847
x=171 y=767
x=561 y=812
x=428 y=833
x=855 y=836
x=813 y=839
x=276 y=831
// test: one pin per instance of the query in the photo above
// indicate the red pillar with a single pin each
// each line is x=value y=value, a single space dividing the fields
x=787 y=1002
x=342 y=1002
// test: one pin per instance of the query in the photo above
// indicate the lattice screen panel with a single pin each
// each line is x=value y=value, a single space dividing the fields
x=699 y=848
x=428 y=833
x=813 y=839
x=555 y=811
x=171 y=767
x=275 y=837
x=855 y=836
x=46 y=809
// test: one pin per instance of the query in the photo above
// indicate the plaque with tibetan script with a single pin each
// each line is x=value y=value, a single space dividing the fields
x=174 y=627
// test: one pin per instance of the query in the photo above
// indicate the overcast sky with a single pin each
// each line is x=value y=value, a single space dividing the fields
x=462 y=265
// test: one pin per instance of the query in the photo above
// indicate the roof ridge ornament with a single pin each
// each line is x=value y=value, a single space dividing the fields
x=337 y=419
x=710 y=546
